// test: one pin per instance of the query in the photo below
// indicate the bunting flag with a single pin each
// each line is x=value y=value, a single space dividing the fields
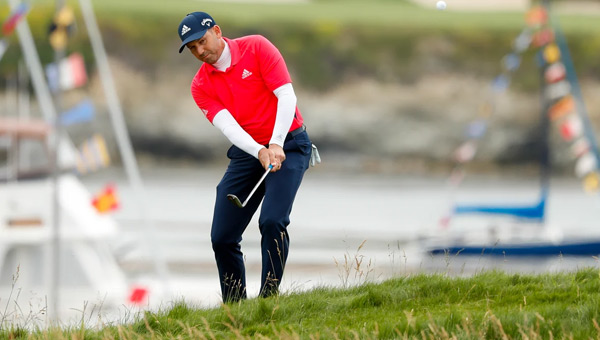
x=15 y=16
x=536 y=17
x=551 y=53
x=571 y=128
x=585 y=164
x=476 y=129
x=61 y=27
x=555 y=73
x=522 y=42
x=561 y=108
x=591 y=182
x=542 y=38
x=138 y=295
x=106 y=201
x=501 y=83
x=69 y=75
x=557 y=90
x=82 y=112
x=512 y=62
x=92 y=155
x=580 y=147
x=466 y=152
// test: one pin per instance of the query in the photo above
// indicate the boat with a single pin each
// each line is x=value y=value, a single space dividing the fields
x=59 y=246
x=87 y=269
x=522 y=229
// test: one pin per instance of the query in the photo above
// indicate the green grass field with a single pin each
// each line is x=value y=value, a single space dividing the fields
x=488 y=305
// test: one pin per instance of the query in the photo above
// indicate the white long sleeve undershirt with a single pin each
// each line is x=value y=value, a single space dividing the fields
x=225 y=122
x=286 y=108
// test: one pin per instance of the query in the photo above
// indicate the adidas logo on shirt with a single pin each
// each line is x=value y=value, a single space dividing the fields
x=246 y=74
x=185 y=29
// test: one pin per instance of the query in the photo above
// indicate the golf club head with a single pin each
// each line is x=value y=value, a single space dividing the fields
x=235 y=200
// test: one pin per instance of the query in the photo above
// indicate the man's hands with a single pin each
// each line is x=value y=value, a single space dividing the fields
x=272 y=155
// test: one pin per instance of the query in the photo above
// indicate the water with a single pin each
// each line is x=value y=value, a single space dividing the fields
x=335 y=213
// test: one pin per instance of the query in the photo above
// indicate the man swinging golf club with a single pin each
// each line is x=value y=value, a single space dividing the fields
x=244 y=89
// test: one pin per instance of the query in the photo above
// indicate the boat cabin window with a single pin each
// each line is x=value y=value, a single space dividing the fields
x=33 y=159
x=4 y=147
x=23 y=158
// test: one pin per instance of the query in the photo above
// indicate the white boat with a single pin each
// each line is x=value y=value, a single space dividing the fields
x=87 y=270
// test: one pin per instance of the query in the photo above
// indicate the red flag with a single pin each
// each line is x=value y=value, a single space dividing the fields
x=9 y=25
x=542 y=38
x=138 y=296
x=106 y=201
x=571 y=128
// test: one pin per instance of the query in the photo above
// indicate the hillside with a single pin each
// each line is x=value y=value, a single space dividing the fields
x=391 y=82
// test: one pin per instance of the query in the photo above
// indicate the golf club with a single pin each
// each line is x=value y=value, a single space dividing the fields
x=235 y=200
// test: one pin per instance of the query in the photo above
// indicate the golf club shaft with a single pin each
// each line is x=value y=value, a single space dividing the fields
x=257 y=184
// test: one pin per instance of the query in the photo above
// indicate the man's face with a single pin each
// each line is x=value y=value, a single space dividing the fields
x=207 y=49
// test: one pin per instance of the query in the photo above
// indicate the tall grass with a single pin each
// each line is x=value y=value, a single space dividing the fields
x=490 y=305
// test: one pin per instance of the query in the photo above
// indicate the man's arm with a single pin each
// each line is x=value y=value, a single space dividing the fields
x=225 y=122
x=286 y=108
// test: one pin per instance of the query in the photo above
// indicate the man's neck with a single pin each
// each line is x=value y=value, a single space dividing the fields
x=225 y=59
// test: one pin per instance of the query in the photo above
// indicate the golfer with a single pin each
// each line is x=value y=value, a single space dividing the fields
x=244 y=89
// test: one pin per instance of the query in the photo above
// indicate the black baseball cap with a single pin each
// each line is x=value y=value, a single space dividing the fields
x=193 y=27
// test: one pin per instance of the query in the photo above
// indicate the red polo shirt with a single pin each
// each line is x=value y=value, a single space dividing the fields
x=246 y=88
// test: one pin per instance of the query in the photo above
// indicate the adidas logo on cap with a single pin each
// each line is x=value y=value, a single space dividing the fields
x=185 y=29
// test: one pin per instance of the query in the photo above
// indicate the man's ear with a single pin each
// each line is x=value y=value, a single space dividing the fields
x=217 y=31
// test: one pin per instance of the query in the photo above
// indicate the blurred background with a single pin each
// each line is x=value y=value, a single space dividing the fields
x=389 y=90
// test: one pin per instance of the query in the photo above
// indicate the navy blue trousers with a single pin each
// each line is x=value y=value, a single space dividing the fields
x=277 y=193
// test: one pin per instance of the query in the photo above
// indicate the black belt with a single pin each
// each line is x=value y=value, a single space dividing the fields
x=297 y=131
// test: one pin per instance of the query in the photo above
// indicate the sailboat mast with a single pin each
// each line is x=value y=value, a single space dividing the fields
x=59 y=53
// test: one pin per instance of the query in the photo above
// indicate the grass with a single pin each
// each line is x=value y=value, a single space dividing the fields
x=488 y=305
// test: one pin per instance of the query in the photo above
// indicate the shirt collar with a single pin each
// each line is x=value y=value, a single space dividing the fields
x=234 y=49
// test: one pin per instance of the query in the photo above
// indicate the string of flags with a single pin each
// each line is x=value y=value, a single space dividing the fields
x=68 y=74
x=564 y=103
